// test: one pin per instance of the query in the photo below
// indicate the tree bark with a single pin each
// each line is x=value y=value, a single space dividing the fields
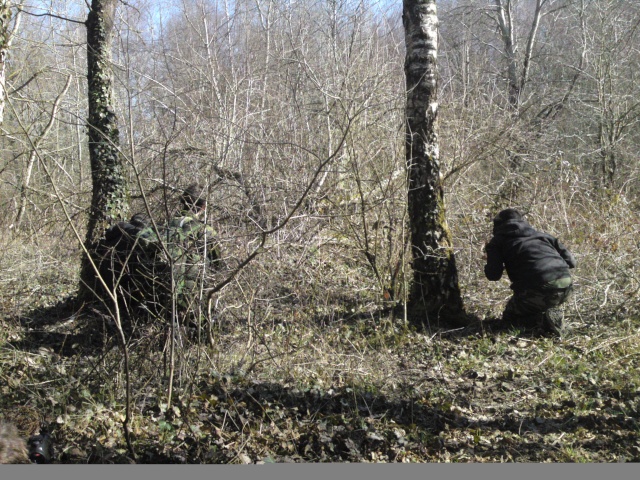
x=5 y=19
x=109 y=202
x=6 y=35
x=435 y=293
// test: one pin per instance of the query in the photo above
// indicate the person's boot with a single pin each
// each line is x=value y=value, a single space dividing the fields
x=553 y=321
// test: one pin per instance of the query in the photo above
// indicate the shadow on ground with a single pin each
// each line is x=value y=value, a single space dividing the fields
x=268 y=422
x=68 y=328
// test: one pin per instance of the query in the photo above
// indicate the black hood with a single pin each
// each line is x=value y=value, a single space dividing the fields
x=514 y=228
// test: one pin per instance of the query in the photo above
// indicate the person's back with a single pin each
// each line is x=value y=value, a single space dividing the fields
x=118 y=260
x=530 y=257
x=537 y=265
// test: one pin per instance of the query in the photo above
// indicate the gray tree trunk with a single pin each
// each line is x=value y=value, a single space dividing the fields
x=109 y=202
x=5 y=19
x=6 y=34
x=435 y=293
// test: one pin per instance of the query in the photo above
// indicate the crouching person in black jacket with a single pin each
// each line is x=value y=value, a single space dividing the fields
x=537 y=265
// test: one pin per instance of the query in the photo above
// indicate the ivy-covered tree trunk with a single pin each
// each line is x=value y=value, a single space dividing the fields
x=109 y=202
x=435 y=293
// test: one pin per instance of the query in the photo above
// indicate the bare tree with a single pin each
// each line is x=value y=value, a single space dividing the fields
x=612 y=101
x=518 y=65
x=435 y=292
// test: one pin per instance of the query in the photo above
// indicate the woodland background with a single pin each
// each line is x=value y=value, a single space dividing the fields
x=306 y=358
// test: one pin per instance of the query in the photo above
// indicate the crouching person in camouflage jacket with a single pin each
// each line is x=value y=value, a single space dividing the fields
x=537 y=265
x=195 y=250
x=190 y=249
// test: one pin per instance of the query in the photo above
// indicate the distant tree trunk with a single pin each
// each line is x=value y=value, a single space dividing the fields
x=517 y=75
x=435 y=293
x=109 y=202
x=506 y=25
x=6 y=35
x=5 y=19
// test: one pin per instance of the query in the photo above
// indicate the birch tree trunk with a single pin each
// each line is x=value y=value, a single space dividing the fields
x=6 y=35
x=109 y=202
x=435 y=293
x=5 y=19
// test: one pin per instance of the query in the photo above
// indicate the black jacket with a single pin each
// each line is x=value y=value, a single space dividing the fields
x=531 y=258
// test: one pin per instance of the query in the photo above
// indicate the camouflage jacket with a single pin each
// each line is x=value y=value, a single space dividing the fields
x=191 y=245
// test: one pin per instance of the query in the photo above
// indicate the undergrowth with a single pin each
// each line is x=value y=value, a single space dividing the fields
x=308 y=363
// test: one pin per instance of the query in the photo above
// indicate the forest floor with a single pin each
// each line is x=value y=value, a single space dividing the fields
x=349 y=385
